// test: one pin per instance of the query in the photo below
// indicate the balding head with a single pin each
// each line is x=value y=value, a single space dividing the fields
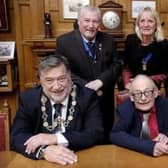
x=142 y=81
x=143 y=92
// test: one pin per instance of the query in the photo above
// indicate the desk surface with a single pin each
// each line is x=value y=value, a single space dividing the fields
x=105 y=156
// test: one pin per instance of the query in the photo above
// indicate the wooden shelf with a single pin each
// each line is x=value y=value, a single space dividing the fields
x=42 y=46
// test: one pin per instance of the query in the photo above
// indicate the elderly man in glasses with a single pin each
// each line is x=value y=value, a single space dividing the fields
x=142 y=121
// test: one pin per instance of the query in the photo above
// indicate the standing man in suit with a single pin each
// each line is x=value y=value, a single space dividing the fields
x=56 y=117
x=92 y=57
x=142 y=123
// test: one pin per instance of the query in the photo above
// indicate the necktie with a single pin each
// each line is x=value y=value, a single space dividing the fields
x=57 y=116
x=92 y=49
x=57 y=108
x=145 y=131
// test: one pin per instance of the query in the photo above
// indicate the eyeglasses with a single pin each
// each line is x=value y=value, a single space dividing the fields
x=138 y=94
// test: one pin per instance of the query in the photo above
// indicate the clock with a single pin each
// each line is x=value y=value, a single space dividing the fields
x=111 y=21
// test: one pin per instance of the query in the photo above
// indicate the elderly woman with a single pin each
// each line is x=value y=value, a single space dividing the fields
x=146 y=50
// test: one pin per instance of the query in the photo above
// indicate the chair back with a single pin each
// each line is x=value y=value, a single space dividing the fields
x=121 y=96
x=4 y=126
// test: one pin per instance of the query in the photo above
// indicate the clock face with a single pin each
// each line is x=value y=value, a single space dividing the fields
x=110 y=20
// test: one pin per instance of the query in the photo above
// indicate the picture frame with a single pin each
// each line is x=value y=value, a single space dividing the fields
x=7 y=49
x=70 y=8
x=137 y=5
x=4 y=22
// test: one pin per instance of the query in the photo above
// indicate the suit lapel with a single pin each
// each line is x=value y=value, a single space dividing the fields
x=100 y=50
x=83 y=57
x=80 y=48
x=103 y=45
x=72 y=124
x=39 y=121
x=160 y=111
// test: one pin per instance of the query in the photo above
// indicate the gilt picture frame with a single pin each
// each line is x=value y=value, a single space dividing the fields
x=70 y=8
x=137 y=5
x=7 y=49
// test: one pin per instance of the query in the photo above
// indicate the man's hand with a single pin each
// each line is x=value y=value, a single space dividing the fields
x=37 y=140
x=161 y=138
x=60 y=154
x=160 y=149
x=95 y=84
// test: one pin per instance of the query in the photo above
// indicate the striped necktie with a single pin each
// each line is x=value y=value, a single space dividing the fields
x=57 y=108
x=145 y=131
x=92 y=48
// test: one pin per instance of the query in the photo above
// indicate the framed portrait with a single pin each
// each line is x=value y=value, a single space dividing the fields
x=4 y=23
x=137 y=5
x=7 y=49
x=70 y=8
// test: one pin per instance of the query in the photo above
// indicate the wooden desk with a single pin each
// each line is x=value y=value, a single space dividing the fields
x=107 y=156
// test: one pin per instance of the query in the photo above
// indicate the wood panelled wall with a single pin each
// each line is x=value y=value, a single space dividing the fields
x=27 y=29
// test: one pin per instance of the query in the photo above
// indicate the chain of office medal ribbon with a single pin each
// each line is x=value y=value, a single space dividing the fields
x=58 y=121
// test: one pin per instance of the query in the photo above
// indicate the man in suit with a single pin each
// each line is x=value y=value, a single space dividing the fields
x=56 y=117
x=142 y=123
x=97 y=63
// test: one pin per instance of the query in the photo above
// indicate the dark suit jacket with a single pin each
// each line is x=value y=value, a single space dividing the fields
x=82 y=132
x=126 y=131
x=107 y=65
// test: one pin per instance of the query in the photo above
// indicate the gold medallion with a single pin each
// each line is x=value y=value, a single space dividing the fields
x=43 y=108
x=45 y=124
x=55 y=124
x=74 y=103
x=70 y=118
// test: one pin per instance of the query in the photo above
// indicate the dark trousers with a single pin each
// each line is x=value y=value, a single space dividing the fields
x=107 y=108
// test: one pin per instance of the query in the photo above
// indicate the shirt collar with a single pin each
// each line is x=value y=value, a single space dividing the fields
x=86 y=40
x=152 y=111
x=64 y=102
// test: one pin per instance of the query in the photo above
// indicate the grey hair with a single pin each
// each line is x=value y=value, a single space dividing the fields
x=159 y=36
x=52 y=61
x=90 y=8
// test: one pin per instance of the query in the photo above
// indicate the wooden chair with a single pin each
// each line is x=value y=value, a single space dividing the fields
x=4 y=126
x=121 y=96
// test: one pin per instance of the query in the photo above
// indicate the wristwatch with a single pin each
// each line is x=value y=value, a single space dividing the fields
x=41 y=152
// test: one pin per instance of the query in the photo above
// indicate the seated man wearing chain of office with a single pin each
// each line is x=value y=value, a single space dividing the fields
x=39 y=133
